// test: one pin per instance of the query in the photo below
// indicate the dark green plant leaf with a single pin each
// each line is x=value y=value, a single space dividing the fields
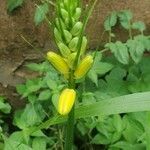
x=12 y=4
x=44 y=95
x=4 y=107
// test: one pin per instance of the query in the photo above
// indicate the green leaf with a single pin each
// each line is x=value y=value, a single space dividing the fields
x=31 y=115
x=44 y=95
x=52 y=84
x=88 y=98
x=41 y=67
x=55 y=98
x=110 y=21
x=144 y=40
x=21 y=89
x=12 y=4
x=11 y=144
x=123 y=104
x=120 y=51
x=123 y=145
x=139 y=26
x=125 y=17
x=39 y=143
x=4 y=107
x=100 y=139
x=40 y=13
x=110 y=128
x=98 y=68
x=133 y=129
x=136 y=50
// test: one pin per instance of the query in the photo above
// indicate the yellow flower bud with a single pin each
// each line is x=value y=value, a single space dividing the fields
x=83 y=67
x=58 y=62
x=66 y=101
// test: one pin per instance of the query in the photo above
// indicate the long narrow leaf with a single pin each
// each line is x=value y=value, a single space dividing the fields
x=123 y=104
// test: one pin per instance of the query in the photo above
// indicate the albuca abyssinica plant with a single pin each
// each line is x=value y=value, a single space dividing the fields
x=72 y=61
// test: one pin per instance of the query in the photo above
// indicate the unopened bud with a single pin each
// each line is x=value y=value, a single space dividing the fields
x=58 y=62
x=66 y=101
x=73 y=44
x=65 y=51
x=76 y=29
x=83 y=67
x=68 y=36
x=77 y=13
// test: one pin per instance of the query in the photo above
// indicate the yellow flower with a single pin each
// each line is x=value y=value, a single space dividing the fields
x=66 y=101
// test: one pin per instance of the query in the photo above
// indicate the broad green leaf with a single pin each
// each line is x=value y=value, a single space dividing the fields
x=52 y=84
x=12 y=4
x=40 y=13
x=139 y=26
x=136 y=49
x=133 y=129
x=10 y=144
x=100 y=139
x=144 y=40
x=125 y=17
x=82 y=128
x=39 y=143
x=123 y=104
x=110 y=21
x=120 y=51
x=110 y=127
x=44 y=95
x=31 y=115
x=98 y=68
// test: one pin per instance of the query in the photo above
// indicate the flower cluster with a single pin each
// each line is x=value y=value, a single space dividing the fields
x=67 y=31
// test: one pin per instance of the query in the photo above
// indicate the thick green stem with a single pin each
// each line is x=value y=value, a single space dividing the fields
x=69 y=129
